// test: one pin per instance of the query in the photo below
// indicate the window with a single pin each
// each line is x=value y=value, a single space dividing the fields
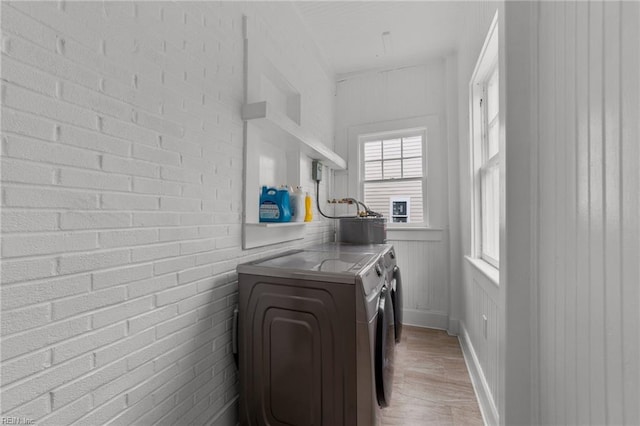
x=485 y=106
x=394 y=176
x=489 y=173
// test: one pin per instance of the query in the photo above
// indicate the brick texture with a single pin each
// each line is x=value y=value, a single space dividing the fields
x=121 y=202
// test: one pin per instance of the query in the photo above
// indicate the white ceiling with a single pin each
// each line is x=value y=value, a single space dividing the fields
x=349 y=33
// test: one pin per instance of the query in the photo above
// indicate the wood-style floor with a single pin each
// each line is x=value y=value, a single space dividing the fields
x=431 y=382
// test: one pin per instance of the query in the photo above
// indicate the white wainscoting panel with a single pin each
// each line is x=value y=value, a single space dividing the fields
x=588 y=354
x=479 y=335
x=425 y=279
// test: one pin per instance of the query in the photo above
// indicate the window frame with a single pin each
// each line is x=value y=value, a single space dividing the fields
x=347 y=183
x=363 y=138
x=486 y=66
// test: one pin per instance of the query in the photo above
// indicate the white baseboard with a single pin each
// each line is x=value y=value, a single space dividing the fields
x=428 y=319
x=454 y=327
x=480 y=385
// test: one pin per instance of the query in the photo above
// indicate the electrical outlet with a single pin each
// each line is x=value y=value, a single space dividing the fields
x=484 y=326
x=316 y=170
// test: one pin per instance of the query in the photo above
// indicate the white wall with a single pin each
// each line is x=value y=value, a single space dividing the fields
x=121 y=203
x=396 y=94
x=586 y=359
x=479 y=295
x=566 y=347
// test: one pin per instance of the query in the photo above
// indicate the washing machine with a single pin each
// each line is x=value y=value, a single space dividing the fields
x=315 y=339
x=390 y=268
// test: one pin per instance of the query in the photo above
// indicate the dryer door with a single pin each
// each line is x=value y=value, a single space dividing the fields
x=385 y=347
x=396 y=297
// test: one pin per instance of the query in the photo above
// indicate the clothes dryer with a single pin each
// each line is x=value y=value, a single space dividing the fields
x=316 y=339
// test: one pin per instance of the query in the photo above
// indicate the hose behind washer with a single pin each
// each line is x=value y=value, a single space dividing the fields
x=357 y=203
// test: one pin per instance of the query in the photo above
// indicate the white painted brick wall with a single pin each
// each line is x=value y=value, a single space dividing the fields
x=121 y=203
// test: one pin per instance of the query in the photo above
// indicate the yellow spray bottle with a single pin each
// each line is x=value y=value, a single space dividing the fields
x=308 y=212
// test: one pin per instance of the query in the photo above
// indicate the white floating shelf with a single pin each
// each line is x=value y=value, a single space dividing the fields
x=277 y=224
x=266 y=233
x=280 y=130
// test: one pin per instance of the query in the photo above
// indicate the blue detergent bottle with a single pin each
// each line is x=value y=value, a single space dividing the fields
x=274 y=205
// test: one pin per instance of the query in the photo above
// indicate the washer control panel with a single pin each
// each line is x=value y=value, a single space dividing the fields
x=378 y=268
x=372 y=278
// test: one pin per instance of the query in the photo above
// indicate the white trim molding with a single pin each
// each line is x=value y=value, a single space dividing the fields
x=430 y=124
x=481 y=387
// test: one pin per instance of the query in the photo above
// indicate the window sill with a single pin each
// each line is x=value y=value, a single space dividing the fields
x=414 y=234
x=491 y=272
